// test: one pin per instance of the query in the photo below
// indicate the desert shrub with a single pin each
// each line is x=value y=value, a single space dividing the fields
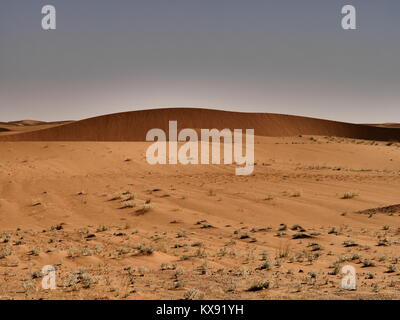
x=301 y=235
x=266 y=265
x=391 y=268
x=145 y=208
x=258 y=285
x=5 y=252
x=367 y=263
x=145 y=250
x=349 y=195
x=193 y=294
x=350 y=243
x=101 y=229
x=127 y=205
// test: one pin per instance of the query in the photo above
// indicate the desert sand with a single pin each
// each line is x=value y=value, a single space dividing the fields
x=80 y=196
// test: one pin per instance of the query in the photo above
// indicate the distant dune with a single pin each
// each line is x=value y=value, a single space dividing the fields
x=28 y=123
x=24 y=126
x=133 y=126
x=386 y=125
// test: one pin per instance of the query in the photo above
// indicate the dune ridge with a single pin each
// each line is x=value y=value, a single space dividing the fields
x=385 y=125
x=133 y=126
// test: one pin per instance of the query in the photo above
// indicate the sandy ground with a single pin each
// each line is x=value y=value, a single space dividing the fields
x=199 y=231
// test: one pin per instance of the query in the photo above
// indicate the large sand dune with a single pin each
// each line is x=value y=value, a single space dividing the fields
x=133 y=126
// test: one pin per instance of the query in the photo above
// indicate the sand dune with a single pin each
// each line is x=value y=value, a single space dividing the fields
x=18 y=127
x=133 y=126
x=28 y=123
x=386 y=125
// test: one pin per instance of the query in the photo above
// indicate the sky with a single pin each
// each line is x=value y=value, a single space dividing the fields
x=281 y=56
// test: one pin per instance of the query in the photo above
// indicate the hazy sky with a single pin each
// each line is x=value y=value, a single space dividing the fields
x=281 y=56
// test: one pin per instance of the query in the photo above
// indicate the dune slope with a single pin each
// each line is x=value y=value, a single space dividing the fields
x=133 y=126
